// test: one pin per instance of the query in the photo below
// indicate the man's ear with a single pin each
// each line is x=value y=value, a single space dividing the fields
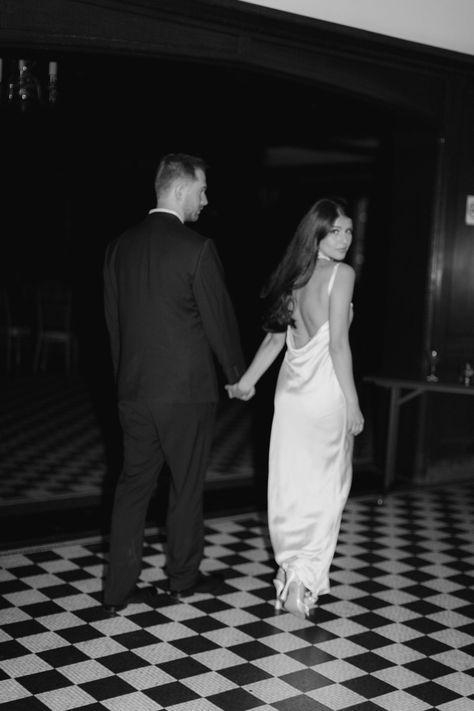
x=179 y=189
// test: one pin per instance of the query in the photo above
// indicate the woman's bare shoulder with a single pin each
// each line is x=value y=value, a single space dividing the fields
x=345 y=273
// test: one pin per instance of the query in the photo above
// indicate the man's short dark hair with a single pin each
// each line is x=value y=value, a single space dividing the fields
x=176 y=165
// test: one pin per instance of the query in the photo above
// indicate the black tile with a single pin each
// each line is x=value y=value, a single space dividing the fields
x=149 y=618
x=57 y=591
x=41 y=609
x=73 y=575
x=8 y=587
x=170 y=694
x=422 y=607
x=432 y=693
x=371 y=586
x=28 y=571
x=371 y=572
x=4 y=603
x=259 y=629
x=310 y=656
x=371 y=620
x=81 y=633
x=194 y=645
x=183 y=668
x=107 y=688
x=233 y=560
x=265 y=593
x=466 y=610
x=371 y=602
x=461 y=565
x=43 y=556
x=43 y=681
x=235 y=700
x=243 y=674
x=206 y=623
x=133 y=640
x=420 y=591
x=467 y=629
x=369 y=662
x=419 y=576
x=212 y=604
x=306 y=680
x=122 y=661
x=62 y=656
x=429 y=668
x=301 y=703
x=463 y=594
x=370 y=640
x=26 y=704
x=368 y=686
x=88 y=561
x=314 y=635
x=262 y=610
x=24 y=629
x=424 y=625
x=252 y=650
x=91 y=614
x=415 y=562
x=12 y=649
x=427 y=646
x=320 y=615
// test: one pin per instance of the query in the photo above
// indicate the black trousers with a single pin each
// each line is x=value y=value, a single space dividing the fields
x=155 y=433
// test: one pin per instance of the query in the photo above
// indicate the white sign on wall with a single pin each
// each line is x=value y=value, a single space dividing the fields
x=470 y=210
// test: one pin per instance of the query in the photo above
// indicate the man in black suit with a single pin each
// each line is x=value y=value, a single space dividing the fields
x=168 y=313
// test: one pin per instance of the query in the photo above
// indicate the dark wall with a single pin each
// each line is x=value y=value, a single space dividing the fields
x=228 y=80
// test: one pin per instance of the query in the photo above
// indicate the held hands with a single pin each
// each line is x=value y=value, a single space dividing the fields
x=355 y=420
x=235 y=391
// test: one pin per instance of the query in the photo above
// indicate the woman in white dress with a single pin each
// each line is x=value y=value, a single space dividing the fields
x=308 y=308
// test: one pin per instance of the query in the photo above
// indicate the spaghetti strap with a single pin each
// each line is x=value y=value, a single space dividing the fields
x=333 y=276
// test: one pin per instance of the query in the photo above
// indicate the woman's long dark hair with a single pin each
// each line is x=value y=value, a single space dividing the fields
x=298 y=262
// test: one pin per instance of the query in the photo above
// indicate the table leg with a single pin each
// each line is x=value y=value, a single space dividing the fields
x=420 y=454
x=391 y=453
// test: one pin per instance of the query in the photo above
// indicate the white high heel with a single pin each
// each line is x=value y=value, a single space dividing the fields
x=279 y=583
x=294 y=596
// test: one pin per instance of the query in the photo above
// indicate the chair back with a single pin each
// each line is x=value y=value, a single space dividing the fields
x=54 y=308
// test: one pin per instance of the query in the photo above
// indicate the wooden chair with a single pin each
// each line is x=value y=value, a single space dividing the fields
x=16 y=334
x=54 y=330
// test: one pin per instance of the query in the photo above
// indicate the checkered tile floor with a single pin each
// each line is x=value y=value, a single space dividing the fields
x=55 y=437
x=52 y=446
x=394 y=634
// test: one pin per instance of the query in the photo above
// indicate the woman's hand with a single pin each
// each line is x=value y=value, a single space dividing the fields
x=355 y=419
x=236 y=391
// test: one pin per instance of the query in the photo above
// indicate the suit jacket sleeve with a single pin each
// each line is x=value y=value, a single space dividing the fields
x=111 y=308
x=217 y=313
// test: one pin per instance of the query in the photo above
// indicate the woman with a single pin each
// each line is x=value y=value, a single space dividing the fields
x=308 y=308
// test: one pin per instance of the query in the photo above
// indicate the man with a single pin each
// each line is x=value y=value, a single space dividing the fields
x=168 y=313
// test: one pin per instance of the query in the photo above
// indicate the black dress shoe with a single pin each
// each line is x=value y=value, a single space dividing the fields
x=148 y=596
x=112 y=610
x=203 y=584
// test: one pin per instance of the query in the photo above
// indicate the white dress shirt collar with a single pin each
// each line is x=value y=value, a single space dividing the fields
x=163 y=209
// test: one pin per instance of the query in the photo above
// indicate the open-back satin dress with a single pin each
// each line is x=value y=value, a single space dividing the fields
x=310 y=460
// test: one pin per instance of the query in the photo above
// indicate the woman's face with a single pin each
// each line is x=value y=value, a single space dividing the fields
x=338 y=239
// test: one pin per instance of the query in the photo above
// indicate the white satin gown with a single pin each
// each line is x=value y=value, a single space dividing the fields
x=310 y=461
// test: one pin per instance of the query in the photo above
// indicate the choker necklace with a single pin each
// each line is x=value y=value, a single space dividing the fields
x=323 y=256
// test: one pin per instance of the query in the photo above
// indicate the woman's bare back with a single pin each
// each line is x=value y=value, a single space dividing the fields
x=311 y=309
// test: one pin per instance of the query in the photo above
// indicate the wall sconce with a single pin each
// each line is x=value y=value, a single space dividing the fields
x=28 y=85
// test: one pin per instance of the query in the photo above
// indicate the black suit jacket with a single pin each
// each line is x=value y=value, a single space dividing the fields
x=168 y=311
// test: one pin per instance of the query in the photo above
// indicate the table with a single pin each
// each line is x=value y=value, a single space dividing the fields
x=401 y=391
